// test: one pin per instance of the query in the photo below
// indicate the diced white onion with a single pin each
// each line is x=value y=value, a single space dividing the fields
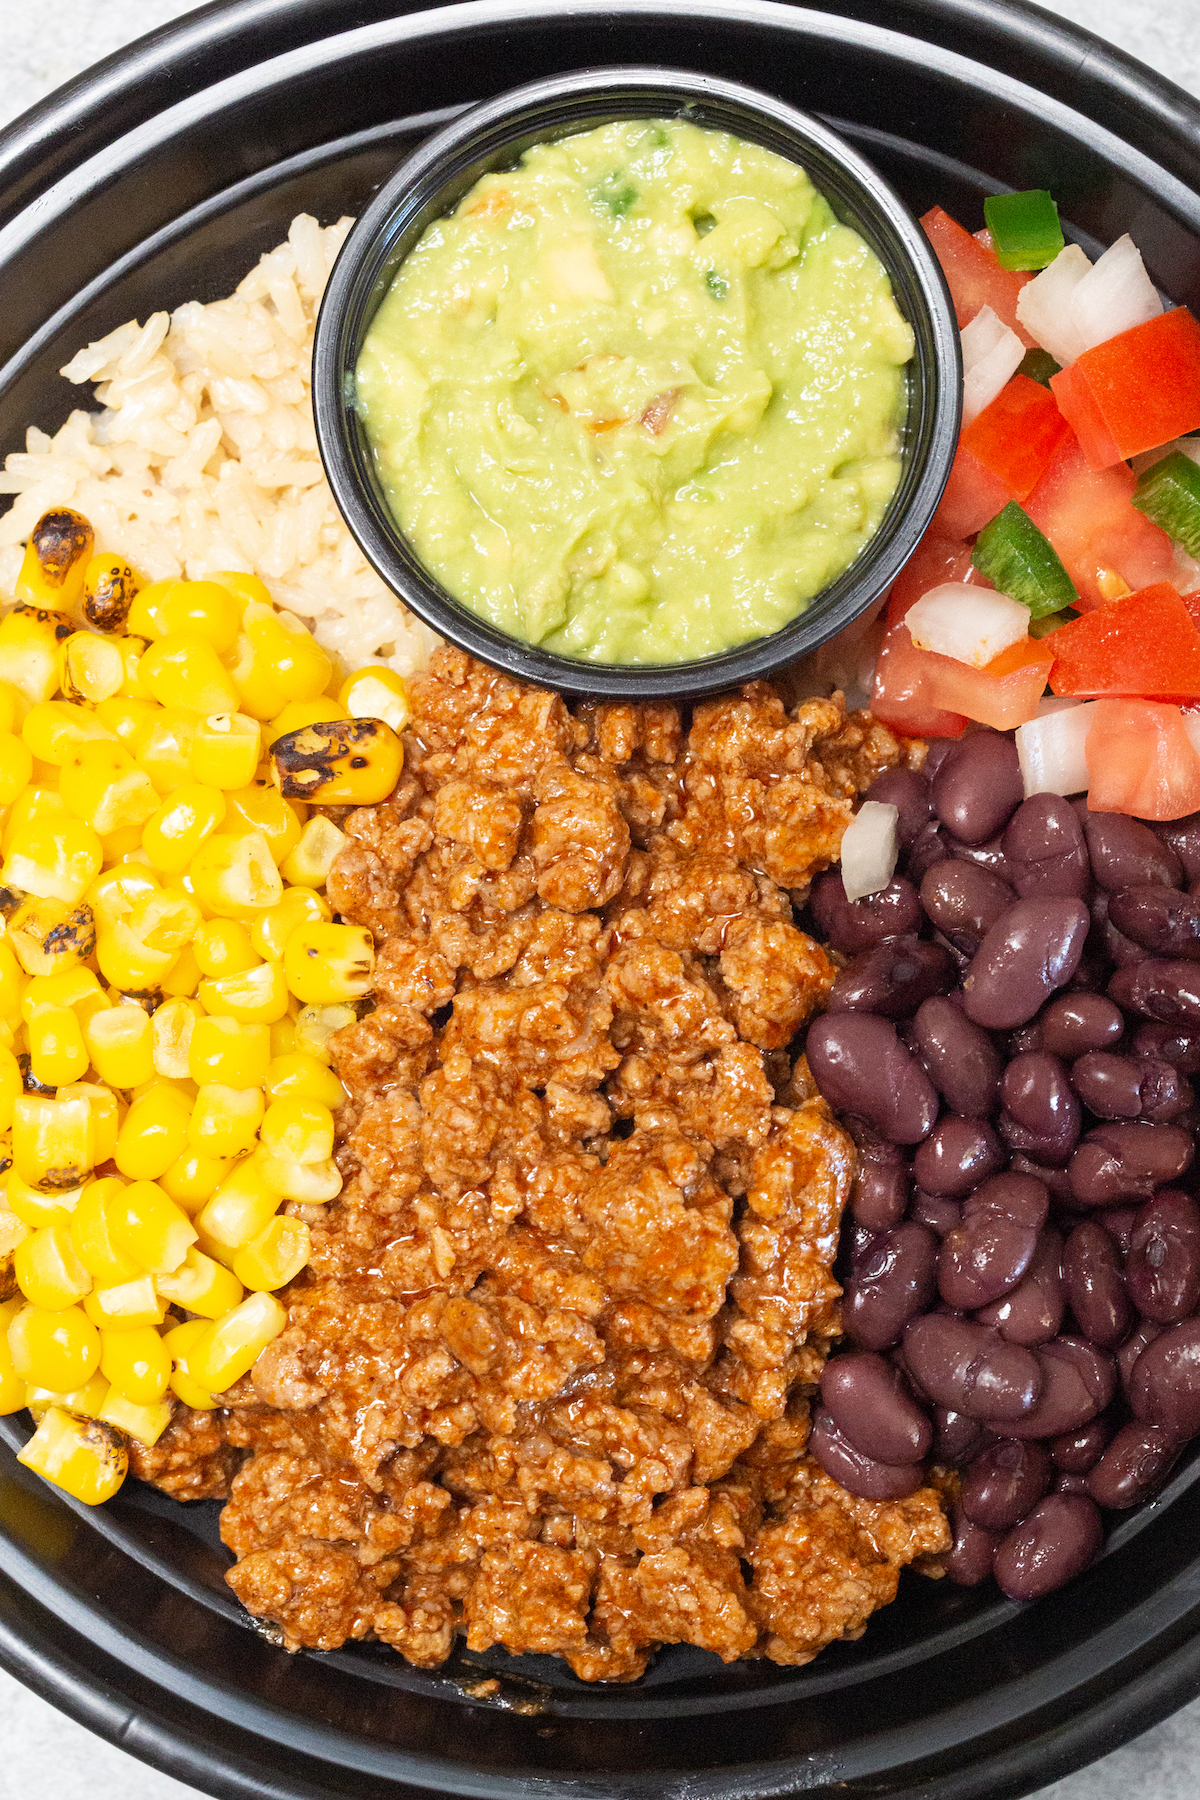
x=971 y=624
x=992 y=353
x=1191 y=724
x=1044 y=305
x=1050 y=750
x=1114 y=296
x=870 y=846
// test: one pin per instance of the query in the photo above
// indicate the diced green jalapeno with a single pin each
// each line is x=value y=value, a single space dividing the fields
x=1025 y=230
x=1040 y=628
x=1169 y=493
x=616 y=192
x=1039 y=365
x=716 y=284
x=1022 y=562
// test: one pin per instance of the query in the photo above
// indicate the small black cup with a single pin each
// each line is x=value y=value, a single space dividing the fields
x=495 y=135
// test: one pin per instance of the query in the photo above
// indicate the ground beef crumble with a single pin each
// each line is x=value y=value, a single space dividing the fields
x=545 y=1380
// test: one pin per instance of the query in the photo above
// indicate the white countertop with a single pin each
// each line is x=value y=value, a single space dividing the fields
x=45 y=42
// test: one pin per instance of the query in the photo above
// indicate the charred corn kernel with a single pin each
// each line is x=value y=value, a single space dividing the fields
x=201 y=1285
x=308 y=865
x=328 y=964
x=56 y=857
x=145 y=1424
x=295 y=1076
x=162 y=746
x=235 y=874
x=301 y=1130
x=61 y=987
x=12 y=982
x=181 y=824
x=11 y=1086
x=227 y=1051
x=34 y=1208
x=16 y=767
x=313 y=1183
x=271 y=930
x=132 y=651
x=275 y=1257
x=344 y=760
x=183 y=977
x=59 y=1350
x=113 y=896
x=193 y=1178
x=57 y=1052
x=106 y=1114
x=92 y=1237
x=259 y=995
x=153 y=1133
x=315 y=1026
x=202 y=609
x=90 y=668
x=121 y=1046
x=56 y=558
x=264 y=809
x=298 y=714
x=226 y=750
x=53 y=1142
x=184 y=670
x=242 y=1207
x=49 y=935
x=47 y=1270
x=229 y=1347
x=250 y=670
x=223 y=947
x=377 y=693
x=129 y=1306
x=30 y=637
x=84 y=1458
x=85 y=1402
x=110 y=586
x=171 y=1036
x=179 y=1341
x=103 y=786
x=125 y=718
x=136 y=1362
x=300 y=668
x=148 y=1226
x=225 y=1120
x=37 y=803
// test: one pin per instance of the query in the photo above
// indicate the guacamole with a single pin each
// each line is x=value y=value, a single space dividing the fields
x=639 y=398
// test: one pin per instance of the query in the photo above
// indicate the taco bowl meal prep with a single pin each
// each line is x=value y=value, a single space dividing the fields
x=584 y=1175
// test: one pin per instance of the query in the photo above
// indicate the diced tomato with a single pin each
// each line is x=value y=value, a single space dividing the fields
x=1141 y=760
x=1002 y=455
x=1144 y=645
x=900 y=698
x=973 y=275
x=1135 y=391
x=934 y=561
x=972 y=496
x=1003 y=694
x=1087 y=515
x=1192 y=602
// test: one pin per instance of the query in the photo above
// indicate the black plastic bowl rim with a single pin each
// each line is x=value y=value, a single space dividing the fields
x=494 y=135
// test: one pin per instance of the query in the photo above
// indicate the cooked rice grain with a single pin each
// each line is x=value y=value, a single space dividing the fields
x=205 y=457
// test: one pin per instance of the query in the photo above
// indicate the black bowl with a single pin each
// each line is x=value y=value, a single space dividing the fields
x=495 y=136
x=161 y=176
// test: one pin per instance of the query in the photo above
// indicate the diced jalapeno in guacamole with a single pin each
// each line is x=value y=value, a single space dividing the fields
x=639 y=398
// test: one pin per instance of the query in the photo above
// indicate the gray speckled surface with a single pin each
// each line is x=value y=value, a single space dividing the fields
x=45 y=42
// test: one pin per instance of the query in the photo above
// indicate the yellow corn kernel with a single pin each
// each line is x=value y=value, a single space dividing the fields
x=145 y=1424
x=313 y=1183
x=92 y=1235
x=106 y=1114
x=56 y=558
x=250 y=670
x=135 y=954
x=308 y=865
x=136 y=1362
x=121 y=846
x=193 y=1178
x=35 y=804
x=84 y=1403
x=103 y=786
x=54 y=729
x=184 y=670
x=59 y=1350
x=377 y=693
x=226 y=750
x=235 y=874
x=154 y=1132
x=129 y=1306
x=201 y=1285
x=110 y=586
x=247 y=588
x=61 y=987
x=125 y=718
x=258 y=995
x=54 y=856
x=225 y=1120
x=263 y=808
x=12 y=982
x=162 y=746
x=13 y=707
x=11 y=1086
x=90 y=668
x=326 y=965
x=343 y=760
x=127 y=964
x=283 y=1034
x=13 y=1391
x=30 y=637
x=183 y=977
x=179 y=1342
x=315 y=1026
x=16 y=767
x=84 y=1458
x=223 y=947
x=300 y=668
x=57 y=1053
x=167 y=920
x=229 y=1347
x=295 y=1076
x=148 y=1226
x=47 y=1270
x=300 y=1130
x=34 y=1208
x=229 y=1052
x=54 y=1142
x=171 y=1035
x=298 y=714
x=203 y=609
x=142 y=615
x=271 y=930
x=275 y=1257
x=49 y=935
x=132 y=651
x=242 y=1207
x=112 y=896
x=121 y=1046
x=181 y=824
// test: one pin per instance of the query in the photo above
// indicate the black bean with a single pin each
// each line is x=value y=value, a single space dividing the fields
x=1127 y=1162
x=861 y=1067
x=960 y=1057
x=1167 y=1044
x=964 y=902
x=928 y=848
x=967 y=1368
x=1072 y=1024
x=1045 y=849
x=1167 y=991
x=1032 y=1312
x=1109 y=944
x=956 y=1156
x=857 y=1473
x=1132 y=1348
x=1183 y=837
x=995 y=1244
x=893 y=979
x=1058 y=1540
x=1130 y=1087
x=856 y=1240
x=868 y=1401
x=855 y=925
x=969 y=1559
x=1032 y=949
x=895 y=1281
x=1041 y=1109
x=1077 y=1383
x=1095 y=1285
x=908 y=792
x=990 y=857
x=1125 y=853
x=977 y=786
x=1078 y=1451
x=1004 y=1482
x=1056 y=1181
x=941 y=1214
x=879 y=1195
x=1162 y=1269
x=1119 y=1222
x=956 y=1437
x=1160 y=919
x=1134 y=1466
